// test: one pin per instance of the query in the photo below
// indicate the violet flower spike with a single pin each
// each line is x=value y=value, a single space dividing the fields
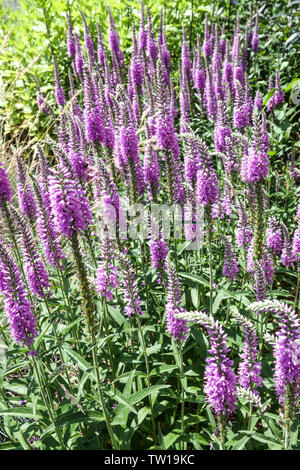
x=107 y=273
x=249 y=374
x=5 y=187
x=69 y=204
x=48 y=235
x=230 y=266
x=220 y=380
x=17 y=307
x=129 y=286
x=158 y=251
x=25 y=194
x=287 y=257
x=177 y=328
x=274 y=236
x=35 y=271
x=59 y=91
x=286 y=348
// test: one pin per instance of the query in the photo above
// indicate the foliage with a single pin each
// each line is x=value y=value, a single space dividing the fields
x=119 y=381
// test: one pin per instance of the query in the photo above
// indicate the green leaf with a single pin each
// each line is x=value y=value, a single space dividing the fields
x=292 y=39
x=116 y=315
x=161 y=369
x=142 y=413
x=10 y=446
x=80 y=361
x=72 y=417
x=195 y=278
x=291 y=84
x=265 y=439
x=120 y=398
x=22 y=412
x=241 y=443
x=70 y=326
x=226 y=294
x=294 y=436
x=14 y=369
x=41 y=336
x=16 y=387
x=171 y=438
x=269 y=96
x=141 y=394
x=153 y=349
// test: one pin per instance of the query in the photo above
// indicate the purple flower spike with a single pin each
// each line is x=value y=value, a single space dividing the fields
x=17 y=307
x=136 y=65
x=107 y=273
x=230 y=267
x=279 y=94
x=287 y=257
x=79 y=62
x=114 y=40
x=59 y=91
x=255 y=38
x=69 y=204
x=244 y=233
x=185 y=56
x=249 y=375
x=222 y=130
x=25 y=194
x=130 y=290
x=151 y=41
x=273 y=236
x=296 y=239
x=207 y=44
x=258 y=104
x=220 y=380
x=48 y=235
x=159 y=251
x=177 y=328
x=286 y=348
x=260 y=284
x=88 y=41
x=255 y=166
x=71 y=45
x=207 y=186
x=241 y=110
x=5 y=188
x=35 y=271
x=142 y=31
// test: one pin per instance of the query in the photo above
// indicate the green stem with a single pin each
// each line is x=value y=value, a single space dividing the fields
x=144 y=263
x=101 y=396
x=210 y=266
x=48 y=404
x=182 y=393
x=104 y=312
x=148 y=374
x=69 y=307
x=250 y=416
x=88 y=237
x=222 y=431
x=89 y=310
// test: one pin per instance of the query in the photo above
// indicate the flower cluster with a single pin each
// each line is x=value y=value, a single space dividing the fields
x=177 y=328
x=286 y=348
x=17 y=306
x=69 y=204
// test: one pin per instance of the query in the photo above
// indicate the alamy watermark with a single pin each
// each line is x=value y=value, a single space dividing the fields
x=2 y=353
x=296 y=93
x=154 y=221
